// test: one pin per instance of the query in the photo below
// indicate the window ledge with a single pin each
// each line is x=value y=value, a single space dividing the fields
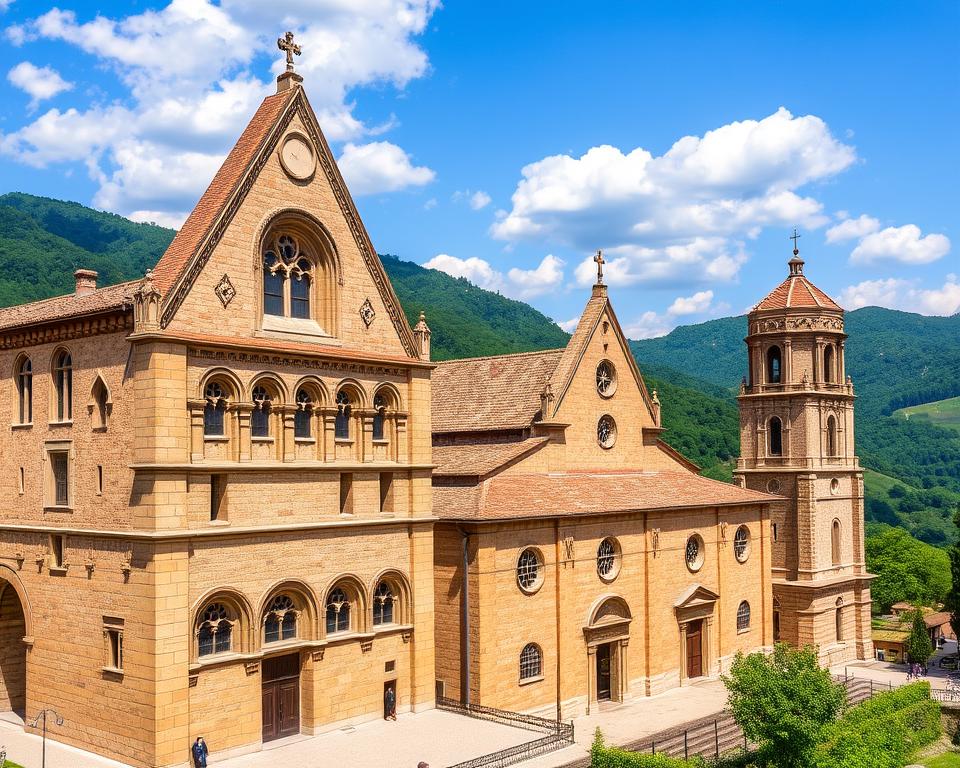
x=112 y=671
x=262 y=439
x=381 y=441
x=58 y=508
x=530 y=680
x=219 y=523
x=65 y=423
x=215 y=439
x=22 y=425
x=343 y=440
x=305 y=440
x=58 y=570
x=296 y=326
x=743 y=631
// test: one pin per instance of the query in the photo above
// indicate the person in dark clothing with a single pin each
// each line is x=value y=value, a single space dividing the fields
x=199 y=751
x=389 y=704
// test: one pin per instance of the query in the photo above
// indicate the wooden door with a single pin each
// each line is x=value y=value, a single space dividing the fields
x=603 y=672
x=281 y=697
x=694 y=649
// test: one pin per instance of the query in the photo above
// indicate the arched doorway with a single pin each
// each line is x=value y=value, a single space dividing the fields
x=13 y=651
x=607 y=635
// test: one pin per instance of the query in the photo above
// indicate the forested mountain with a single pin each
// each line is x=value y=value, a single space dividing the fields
x=895 y=358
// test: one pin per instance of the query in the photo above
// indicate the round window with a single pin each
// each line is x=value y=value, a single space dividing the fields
x=693 y=553
x=606 y=432
x=741 y=543
x=606 y=378
x=608 y=559
x=529 y=570
x=773 y=485
x=834 y=486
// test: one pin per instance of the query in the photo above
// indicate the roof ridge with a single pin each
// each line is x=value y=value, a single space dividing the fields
x=498 y=357
x=72 y=295
x=809 y=286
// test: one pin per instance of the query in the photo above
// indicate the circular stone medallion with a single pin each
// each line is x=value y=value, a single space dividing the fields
x=297 y=157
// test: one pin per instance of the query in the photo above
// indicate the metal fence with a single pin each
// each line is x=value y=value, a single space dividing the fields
x=557 y=734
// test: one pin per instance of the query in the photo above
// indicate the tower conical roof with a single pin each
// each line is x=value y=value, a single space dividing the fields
x=796 y=292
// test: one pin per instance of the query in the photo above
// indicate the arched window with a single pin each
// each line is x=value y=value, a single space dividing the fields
x=303 y=416
x=529 y=570
x=280 y=622
x=99 y=395
x=831 y=435
x=214 y=410
x=63 y=383
x=743 y=617
x=260 y=417
x=338 y=612
x=287 y=278
x=835 y=542
x=608 y=559
x=773 y=365
x=342 y=422
x=775 y=428
x=25 y=391
x=776 y=620
x=531 y=661
x=215 y=632
x=379 y=415
x=741 y=544
x=828 y=363
x=383 y=603
x=839 y=619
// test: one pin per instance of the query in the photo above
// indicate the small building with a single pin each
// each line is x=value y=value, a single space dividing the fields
x=891 y=633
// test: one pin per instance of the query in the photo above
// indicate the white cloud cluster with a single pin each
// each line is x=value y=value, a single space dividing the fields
x=649 y=325
x=476 y=199
x=188 y=71
x=905 y=295
x=906 y=244
x=380 y=166
x=517 y=283
x=679 y=217
x=691 y=305
x=39 y=83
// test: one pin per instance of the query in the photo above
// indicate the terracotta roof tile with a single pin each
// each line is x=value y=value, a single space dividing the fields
x=575 y=348
x=797 y=292
x=194 y=230
x=478 y=459
x=490 y=393
x=505 y=497
x=111 y=297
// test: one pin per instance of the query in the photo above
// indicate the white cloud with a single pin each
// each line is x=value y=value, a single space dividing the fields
x=691 y=305
x=649 y=325
x=477 y=271
x=479 y=199
x=430 y=204
x=517 y=283
x=851 y=229
x=569 y=325
x=903 y=244
x=679 y=216
x=901 y=294
x=380 y=167
x=197 y=100
x=4 y=4
x=547 y=276
x=37 y=82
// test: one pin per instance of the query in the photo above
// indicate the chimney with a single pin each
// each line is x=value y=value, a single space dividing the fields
x=86 y=281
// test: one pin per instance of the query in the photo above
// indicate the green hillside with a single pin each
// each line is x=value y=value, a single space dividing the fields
x=943 y=413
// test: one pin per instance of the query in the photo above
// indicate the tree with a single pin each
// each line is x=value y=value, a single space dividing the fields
x=952 y=603
x=783 y=702
x=919 y=647
x=907 y=569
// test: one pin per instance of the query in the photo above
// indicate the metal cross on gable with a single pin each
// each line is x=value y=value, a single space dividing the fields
x=795 y=236
x=289 y=47
x=600 y=261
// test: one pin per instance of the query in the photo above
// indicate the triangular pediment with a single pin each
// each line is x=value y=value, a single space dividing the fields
x=204 y=230
x=695 y=596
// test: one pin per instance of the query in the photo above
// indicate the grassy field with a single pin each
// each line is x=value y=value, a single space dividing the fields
x=946 y=760
x=943 y=413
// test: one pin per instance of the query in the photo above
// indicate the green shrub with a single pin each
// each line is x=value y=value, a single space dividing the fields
x=602 y=756
x=887 y=703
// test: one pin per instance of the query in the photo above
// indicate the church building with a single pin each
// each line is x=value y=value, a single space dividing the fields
x=238 y=500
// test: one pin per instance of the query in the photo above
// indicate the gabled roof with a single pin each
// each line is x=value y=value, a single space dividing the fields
x=524 y=496
x=112 y=297
x=796 y=292
x=490 y=393
x=203 y=229
x=694 y=595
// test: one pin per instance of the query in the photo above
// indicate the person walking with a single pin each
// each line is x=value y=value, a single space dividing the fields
x=200 y=752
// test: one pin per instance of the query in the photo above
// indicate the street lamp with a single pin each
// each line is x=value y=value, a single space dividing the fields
x=43 y=717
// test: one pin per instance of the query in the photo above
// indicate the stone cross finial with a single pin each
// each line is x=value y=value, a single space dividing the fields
x=795 y=236
x=599 y=260
x=289 y=47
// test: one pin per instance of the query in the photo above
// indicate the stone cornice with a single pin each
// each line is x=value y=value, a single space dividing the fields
x=67 y=330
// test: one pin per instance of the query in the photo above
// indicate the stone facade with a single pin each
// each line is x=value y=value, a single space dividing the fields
x=129 y=522
x=797 y=440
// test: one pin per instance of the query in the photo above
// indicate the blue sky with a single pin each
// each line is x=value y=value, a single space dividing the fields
x=506 y=142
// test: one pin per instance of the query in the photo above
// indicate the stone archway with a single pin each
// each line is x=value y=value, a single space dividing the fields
x=13 y=651
x=607 y=635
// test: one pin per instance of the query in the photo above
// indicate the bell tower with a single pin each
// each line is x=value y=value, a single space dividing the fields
x=796 y=440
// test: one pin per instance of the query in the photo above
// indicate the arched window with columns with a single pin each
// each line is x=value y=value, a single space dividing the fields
x=829 y=362
x=774 y=365
x=24 y=374
x=832 y=435
x=775 y=436
x=835 y=542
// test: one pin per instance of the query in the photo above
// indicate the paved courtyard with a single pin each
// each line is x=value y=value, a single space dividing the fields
x=26 y=749
x=886 y=673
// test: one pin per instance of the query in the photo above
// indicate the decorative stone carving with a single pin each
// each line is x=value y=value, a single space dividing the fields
x=225 y=290
x=252 y=667
x=367 y=313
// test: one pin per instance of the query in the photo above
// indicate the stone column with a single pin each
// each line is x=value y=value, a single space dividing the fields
x=243 y=430
x=591 y=675
x=365 y=438
x=288 y=444
x=196 y=429
x=683 y=652
x=787 y=377
x=624 y=670
x=328 y=422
